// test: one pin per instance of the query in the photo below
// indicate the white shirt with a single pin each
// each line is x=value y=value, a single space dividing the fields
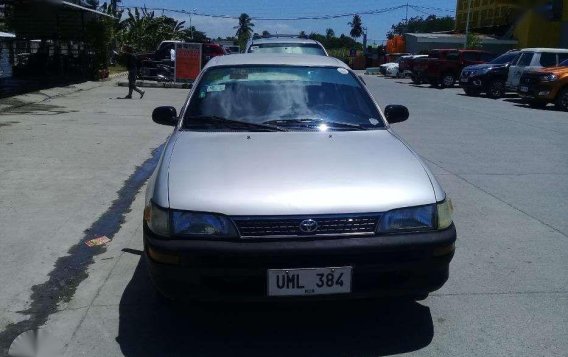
x=172 y=54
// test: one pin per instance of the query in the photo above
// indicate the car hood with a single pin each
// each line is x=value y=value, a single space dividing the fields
x=553 y=70
x=484 y=66
x=290 y=173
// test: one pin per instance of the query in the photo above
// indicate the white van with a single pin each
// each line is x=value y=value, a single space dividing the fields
x=533 y=58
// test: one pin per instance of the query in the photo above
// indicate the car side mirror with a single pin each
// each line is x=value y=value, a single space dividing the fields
x=165 y=116
x=396 y=113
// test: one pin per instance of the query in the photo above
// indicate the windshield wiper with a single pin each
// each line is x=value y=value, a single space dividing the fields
x=311 y=122
x=234 y=124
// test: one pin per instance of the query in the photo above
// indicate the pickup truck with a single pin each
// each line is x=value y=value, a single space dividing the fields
x=443 y=66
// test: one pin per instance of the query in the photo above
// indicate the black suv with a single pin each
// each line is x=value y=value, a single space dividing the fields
x=489 y=77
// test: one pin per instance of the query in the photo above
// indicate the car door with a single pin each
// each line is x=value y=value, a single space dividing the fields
x=518 y=67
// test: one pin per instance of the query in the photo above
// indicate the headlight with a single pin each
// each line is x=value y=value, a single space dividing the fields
x=549 y=78
x=201 y=225
x=157 y=219
x=408 y=219
x=417 y=218
x=445 y=210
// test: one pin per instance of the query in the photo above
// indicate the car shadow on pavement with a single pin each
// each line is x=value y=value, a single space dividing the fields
x=522 y=103
x=149 y=326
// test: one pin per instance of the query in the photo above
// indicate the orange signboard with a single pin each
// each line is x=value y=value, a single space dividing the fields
x=188 y=61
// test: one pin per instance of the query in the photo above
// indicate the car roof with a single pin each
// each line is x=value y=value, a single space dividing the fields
x=299 y=40
x=541 y=49
x=275 y=59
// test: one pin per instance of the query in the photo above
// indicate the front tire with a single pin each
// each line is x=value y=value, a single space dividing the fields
x=448 y=80
x=562 y=100
x=496 y=89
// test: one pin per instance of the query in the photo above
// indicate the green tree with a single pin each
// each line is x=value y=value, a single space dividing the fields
x=329 y=33
x=473 y=41
x=244 y=29
x=303 y=34
x=420 y=24
x=198 y=36
x=144 y=31
x=265 y=33
x=356 y=27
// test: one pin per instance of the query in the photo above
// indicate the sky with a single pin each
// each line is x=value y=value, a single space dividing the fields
x=377 y=24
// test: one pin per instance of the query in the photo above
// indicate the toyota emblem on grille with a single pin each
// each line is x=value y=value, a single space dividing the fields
x=308 y=226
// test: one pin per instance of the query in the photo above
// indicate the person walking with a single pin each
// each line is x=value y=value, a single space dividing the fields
x=132 y=66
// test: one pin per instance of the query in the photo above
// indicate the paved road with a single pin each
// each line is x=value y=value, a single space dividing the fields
x=71 y=170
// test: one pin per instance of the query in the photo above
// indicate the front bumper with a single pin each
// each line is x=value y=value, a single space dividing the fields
x=540 y=91
x=474 y=82
x=392 y=265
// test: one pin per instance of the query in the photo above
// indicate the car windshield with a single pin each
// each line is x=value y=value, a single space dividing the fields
x=294 y=48
x=289 y=97
x=505 y=58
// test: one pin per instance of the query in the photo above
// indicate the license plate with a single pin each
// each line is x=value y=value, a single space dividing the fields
x=309 y=281
x=524 y=89
x=464 y=80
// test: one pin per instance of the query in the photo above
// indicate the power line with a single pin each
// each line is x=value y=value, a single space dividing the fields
x=299 y=18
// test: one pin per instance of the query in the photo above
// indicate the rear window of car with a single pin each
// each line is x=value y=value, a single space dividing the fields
x=548 y=59
x=471 y=56
x=452 y=56
x=294 y=48
x=525 y=59
x=434 y=54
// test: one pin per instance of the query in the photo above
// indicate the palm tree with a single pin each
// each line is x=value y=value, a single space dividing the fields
x=356 y=27
x=329 y=33
x=244 y=29
x=303 y=34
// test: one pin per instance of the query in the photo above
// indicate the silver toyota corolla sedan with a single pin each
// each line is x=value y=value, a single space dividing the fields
x=283 y=178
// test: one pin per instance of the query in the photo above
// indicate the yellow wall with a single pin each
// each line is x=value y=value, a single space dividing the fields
x=535 y=31
x=531 y=30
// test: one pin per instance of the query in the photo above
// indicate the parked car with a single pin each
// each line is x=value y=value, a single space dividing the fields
x=533 y=58
x=443 y=66
x=236 y=209
x=392 y=68
x=292 y=44
x=546 y=85
x=406 y=63
x=488 y=78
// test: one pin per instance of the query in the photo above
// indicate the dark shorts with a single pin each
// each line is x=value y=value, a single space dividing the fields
x=132 y=79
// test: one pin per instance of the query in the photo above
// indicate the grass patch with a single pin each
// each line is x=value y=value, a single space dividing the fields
x=116 y=69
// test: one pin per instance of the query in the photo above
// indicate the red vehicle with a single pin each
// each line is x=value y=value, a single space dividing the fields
x=442 y=67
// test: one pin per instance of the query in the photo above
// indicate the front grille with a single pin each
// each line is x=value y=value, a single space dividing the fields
x=529 y=79
x=290 y=226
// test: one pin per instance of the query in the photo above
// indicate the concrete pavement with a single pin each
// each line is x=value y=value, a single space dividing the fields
x=504 y=166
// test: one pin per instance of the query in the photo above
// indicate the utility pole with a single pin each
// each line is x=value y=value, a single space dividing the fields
x=406 y=21
x=467 y=23
x=191 y=27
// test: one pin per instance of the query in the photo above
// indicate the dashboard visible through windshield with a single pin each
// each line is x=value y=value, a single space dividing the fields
x=281 y=98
